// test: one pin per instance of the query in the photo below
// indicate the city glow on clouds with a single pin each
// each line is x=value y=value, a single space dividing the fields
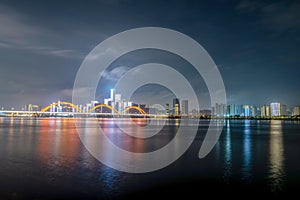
x=40 y=52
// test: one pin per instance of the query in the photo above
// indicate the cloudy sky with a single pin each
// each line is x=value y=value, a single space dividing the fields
x=255 y=44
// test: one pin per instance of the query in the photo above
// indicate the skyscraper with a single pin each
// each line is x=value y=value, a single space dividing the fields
x=176 y=106
x=263 y=111
x=167 y=109
x=231 y=110
x=253 y=111
x=220 y=109
x=112 y=95
x=275 y=109
x=296 y=110
x=184 y=107
x=246 y=111
x=117 y=97
x=268 y=112
x=283 y=110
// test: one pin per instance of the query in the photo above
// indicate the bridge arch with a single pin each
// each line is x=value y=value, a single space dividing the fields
x=60 y=103
x=102 y=105
x=135 y=108
x=117 y=112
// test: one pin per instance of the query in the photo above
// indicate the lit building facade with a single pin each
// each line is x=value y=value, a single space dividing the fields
x=176 y=106
x=275 y=109
x=296 y=110
x=220 y=110
x=184 y=107
x=283 y=110
x=246 y=111
x=265 y=111
x=167 y=109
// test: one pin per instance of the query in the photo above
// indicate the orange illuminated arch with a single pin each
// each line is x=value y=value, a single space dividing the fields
x=103 y=105
x=61 y=103
x=134 y=107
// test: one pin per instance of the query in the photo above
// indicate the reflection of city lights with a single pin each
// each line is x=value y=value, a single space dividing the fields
x=177 y=122
x=55 y=148
x=140 y=121
x=228 y=162
x=11 y=122
x=10 y=145
x=247 y=152
x=276 y=157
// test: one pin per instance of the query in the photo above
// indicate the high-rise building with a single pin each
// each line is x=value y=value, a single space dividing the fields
x=283 y=110
x=112 y=95
x=176 y=106
x=238 y=110
x=258 y=111
x=296 y=110
x=275 y=109
x=176 y=109
x=117 y=97
x=253 y=111
x=268 y=111
x=220 y=109
x=246 y=111
x=106 y=101
x=167 y=109
x=234 y=110
x=119 y=106
x=184 y=107
x=263 y=111
x=231 y=110
x=228 y=110
x=289 y=111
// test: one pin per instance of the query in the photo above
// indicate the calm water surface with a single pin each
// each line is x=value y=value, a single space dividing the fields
x=45 y=159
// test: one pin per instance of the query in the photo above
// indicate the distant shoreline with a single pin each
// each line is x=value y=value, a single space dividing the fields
x=294 y=118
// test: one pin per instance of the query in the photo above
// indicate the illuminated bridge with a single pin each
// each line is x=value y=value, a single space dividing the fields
x=75 y=110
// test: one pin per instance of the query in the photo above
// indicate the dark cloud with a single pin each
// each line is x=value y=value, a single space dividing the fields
x=276 y=16
x=254 y=43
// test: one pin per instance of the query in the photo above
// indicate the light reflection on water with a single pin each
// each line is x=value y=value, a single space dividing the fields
x=276 y=156
x=246 y=169
x=252 y=131
x=227 y=157
x=49 y=151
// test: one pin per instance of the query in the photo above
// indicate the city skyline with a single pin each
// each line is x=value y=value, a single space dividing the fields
x=179 y=107
x=135 y=99
x=255 y=45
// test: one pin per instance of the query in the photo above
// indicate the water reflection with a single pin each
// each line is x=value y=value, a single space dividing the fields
x=227 y=157
x=48 y=152
x=246 y=168
x=10 y=139
x=276 y=156
x=58 y=142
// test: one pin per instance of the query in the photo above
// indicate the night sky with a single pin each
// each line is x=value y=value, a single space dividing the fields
x=255 y=44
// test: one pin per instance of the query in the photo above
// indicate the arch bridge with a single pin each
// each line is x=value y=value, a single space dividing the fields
x=60 y=103
x=140 y=110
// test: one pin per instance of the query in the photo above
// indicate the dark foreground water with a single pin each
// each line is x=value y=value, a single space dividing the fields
x=45 y=159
